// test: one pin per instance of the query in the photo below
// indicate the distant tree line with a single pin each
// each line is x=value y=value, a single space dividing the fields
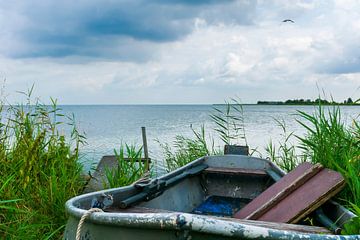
x=349 y=101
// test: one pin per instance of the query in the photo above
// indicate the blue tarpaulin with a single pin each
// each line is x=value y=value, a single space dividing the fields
x=220 y=206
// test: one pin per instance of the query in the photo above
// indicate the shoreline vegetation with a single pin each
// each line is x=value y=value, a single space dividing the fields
x=40 y=165
x=39 y=169
x=317 y=101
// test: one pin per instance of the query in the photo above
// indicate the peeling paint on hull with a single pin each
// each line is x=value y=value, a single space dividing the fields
x=168 y=226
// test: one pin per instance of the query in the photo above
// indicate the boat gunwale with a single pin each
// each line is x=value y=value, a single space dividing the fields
x=202 y=224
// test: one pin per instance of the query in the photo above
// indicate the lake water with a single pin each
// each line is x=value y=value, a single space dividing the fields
x=108 y=126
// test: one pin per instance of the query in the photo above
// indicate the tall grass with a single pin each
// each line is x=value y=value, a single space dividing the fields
x=129 y=168
x=7 y=206
x=39 y=170
x=185 y=149
x=285 y=155
x=229 y=122
x=353 y=226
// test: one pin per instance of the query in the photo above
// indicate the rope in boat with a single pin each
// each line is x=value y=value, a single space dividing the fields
x=82 y=220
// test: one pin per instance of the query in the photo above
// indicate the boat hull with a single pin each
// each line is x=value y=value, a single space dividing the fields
x=175 y=220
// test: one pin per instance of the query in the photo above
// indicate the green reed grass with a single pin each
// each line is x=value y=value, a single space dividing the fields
x=353 y=227
x=185 y=149
x=130 y=167
x=229 y=122
x=39 y=170
x=284 y=153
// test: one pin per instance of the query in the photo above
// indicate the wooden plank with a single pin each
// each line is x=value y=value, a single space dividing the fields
x=236 y=171
x=319 y=215
x=269 y=193
x=306 y=198
x=295 y=195
x=285 y=192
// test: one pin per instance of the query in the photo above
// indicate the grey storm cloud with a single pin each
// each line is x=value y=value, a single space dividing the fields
x=348 y=61
x=110 y=29
x=350 y=64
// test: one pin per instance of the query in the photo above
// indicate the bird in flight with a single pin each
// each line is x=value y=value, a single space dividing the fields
x=288 y=20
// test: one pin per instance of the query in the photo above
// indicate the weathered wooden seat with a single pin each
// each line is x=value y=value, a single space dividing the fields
x=295 y=195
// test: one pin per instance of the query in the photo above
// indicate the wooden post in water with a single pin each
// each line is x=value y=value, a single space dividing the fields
x=146 y=153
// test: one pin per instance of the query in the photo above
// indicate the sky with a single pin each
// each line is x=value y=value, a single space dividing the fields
x=179 y=51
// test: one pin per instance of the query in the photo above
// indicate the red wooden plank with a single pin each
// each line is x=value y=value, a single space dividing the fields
x=306 y=198
x=269 y=193
x=308 y=174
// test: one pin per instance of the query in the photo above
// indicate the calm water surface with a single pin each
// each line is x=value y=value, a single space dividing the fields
x=108 y=126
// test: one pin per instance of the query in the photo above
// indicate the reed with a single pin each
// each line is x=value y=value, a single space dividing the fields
x=284 y=154
x=353 y=227
x=39 y=169
x=229 y=122
x=129 y=167
x=185 y=149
